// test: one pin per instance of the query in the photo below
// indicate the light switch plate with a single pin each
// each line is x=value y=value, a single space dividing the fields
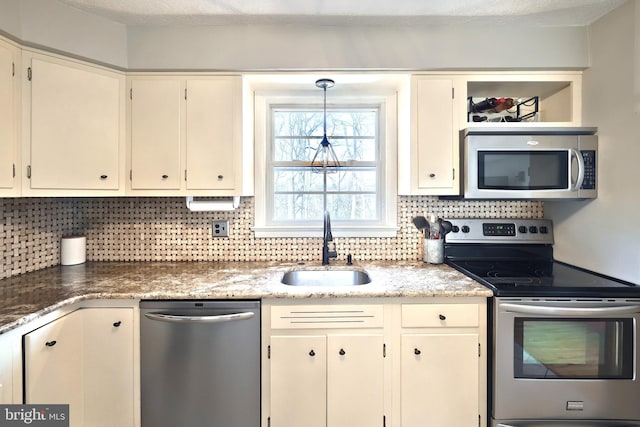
x=220 y=228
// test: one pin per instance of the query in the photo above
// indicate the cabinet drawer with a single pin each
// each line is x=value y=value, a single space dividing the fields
x=322 y=316
x=439 y=315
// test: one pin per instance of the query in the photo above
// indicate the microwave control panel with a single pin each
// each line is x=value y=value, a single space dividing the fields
x=589 y=158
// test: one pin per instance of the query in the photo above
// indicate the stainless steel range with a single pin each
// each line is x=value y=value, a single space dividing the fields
x=565 y=340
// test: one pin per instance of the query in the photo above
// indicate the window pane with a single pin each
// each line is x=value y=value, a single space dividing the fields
x=300 y=149
x=296 y=179
x=298 y=207
x=358 y=149
x=352 y=180
x=352 y=207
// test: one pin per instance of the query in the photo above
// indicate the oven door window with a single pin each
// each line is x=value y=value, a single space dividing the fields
x=573 y=348
x=523 y=170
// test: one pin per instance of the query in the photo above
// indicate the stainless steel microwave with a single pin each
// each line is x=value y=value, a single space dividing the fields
x=529 y=163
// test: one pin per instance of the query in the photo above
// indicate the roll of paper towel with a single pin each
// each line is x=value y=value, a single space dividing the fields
x=73 y=250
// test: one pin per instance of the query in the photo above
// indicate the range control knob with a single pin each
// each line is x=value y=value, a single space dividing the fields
x=544 y=230
x=522 y=229
x=465 y=228
x=533 y=229
x=455 y=229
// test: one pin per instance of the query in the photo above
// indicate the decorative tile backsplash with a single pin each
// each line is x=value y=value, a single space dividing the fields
x=163 y=229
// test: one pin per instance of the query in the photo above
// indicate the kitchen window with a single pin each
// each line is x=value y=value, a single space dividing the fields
x=360 y=196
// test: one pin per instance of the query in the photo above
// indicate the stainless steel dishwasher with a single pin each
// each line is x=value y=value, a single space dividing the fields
x=200 y=363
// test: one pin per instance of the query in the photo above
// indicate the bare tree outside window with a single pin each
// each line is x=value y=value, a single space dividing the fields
x=350 y=194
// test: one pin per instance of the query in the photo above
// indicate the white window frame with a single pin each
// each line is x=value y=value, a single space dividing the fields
x=388 y=104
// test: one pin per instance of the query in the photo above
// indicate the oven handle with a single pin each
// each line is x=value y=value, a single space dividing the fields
x=568 y=311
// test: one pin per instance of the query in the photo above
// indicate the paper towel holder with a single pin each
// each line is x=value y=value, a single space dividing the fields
x=225 y=204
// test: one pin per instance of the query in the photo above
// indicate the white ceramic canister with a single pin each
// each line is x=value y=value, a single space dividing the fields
x=73 y=250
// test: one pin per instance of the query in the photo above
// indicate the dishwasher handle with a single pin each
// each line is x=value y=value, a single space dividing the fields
x=176 y=318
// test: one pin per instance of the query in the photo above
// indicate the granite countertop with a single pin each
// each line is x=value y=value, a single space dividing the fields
x=26 y=297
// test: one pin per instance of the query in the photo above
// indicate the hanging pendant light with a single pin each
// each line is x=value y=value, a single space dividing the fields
x=325 y=159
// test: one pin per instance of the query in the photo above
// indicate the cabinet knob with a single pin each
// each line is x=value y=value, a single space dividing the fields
x=312 y=353
x=432 y=175
x=342 y=352
x=442 y=317
x=220 y=177
x=117 y=324
x=416 y=351
x=50 y=343
x=104 y=177
x=165 y=176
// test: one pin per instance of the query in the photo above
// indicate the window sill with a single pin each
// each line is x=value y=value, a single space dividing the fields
x=336 y=231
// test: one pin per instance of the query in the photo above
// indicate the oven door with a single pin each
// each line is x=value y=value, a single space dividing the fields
x=561 y=360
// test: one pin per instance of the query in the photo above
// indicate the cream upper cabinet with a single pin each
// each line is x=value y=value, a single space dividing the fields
x=9 y=164
x=73 y=127
x=442 y=105
x=156 y=107
x=431 y=165
x=185 y=135
x=214 y=134
x=84 y=359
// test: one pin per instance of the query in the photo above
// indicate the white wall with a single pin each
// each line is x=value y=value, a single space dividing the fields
x=493 y=45
x=603 y=234
x=279 y=47
x=50 y=24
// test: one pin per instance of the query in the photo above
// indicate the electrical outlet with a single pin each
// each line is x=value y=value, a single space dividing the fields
x=220 y=228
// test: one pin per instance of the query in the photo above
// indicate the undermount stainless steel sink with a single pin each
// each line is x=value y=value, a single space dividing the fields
x=326 y=278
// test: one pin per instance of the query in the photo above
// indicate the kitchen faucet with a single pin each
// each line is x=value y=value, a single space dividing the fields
x=326 y=238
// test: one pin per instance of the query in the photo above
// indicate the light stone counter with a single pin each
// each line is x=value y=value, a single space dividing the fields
x=26 y=297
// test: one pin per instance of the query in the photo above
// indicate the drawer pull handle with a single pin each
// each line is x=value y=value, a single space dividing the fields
x=117 y=324
x=342 y=352
x=432 y=175
x=220 y=177
x=416 y=351
x=442 y=317
x=165 y=176
x=103 y=177
x=312 y=353
x=50 y=343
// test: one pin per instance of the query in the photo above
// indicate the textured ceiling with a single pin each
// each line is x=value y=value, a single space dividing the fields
x=327 y=12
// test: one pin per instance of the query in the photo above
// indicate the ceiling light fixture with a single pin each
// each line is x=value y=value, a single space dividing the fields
x=325 y=159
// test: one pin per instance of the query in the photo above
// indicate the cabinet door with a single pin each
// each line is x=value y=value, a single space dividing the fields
x=53 y=360
x=156 y=109
x=6 y=368
x=213 y=132
x=439 y=380
x=355 y=378
x=108 y=367
x=7 y=118
x=75 y=126
x=434 y=133
x=298 y=381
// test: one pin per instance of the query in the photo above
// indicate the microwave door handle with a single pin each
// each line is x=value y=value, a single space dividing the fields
x=568 y=311
x=578 y=183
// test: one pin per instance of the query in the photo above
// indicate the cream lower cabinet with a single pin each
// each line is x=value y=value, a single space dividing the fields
x=84 y=359
x=411 y=362
x=323 y=371
x=442 y=365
